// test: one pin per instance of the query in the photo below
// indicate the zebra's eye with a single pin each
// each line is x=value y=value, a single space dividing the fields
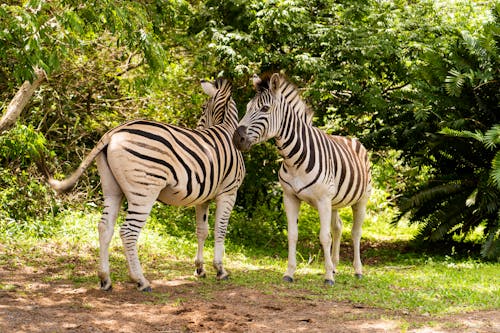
x=264 y=108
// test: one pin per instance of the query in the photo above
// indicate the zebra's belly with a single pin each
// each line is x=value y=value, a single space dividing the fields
x=319 y=192
x=179 y=197
x=305 y=191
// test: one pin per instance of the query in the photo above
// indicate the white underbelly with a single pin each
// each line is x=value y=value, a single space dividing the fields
x=179 y=197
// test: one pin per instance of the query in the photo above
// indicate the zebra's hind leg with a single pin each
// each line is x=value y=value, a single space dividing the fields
x=325 y=237
x=202 y=234
x=113 y=196
x=337 y=234
x=359 y=213
x=129 y=233
x=106 y=229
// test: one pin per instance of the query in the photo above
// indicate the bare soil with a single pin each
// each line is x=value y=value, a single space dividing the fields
x=28 y=304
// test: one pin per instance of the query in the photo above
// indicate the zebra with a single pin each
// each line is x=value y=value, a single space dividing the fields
x=145 y=161
x=328 y=172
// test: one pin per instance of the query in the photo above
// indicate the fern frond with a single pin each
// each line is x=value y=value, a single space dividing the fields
x=492 y=137
x=495 y=170
x=475 y=45
x=428 y=195
x=451 y=218
x=454 y=82
x=491 y=247
x=477 y=135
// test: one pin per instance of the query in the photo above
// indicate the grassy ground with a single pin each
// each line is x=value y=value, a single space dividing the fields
x=395 y=277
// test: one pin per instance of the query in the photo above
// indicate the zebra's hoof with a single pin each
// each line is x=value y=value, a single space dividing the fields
x=222 y=276
x=106 y=285
x=358 y=276
x=329 y=282
x=287 y=278
x=146 y=289
x=200 y=273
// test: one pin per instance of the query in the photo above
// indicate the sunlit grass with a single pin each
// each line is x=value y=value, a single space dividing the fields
x=377 y=225
x=408 y=282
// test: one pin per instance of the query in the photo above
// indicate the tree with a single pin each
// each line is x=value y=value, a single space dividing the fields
x=102 y=60
x=20 y=100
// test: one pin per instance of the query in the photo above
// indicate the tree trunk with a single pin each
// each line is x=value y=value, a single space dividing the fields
x=20 y=100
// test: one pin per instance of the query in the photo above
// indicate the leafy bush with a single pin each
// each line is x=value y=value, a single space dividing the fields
x=23 y=198
x=460 y=146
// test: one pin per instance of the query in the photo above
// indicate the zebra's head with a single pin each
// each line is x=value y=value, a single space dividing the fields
x=219 y=108
x=263 y=118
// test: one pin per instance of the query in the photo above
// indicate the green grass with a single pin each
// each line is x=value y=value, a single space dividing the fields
x=396 y=280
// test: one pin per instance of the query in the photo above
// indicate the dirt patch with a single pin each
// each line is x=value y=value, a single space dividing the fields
x=27 y=304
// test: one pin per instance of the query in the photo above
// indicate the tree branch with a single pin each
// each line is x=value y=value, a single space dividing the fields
x=21 y=99
x=386 y=90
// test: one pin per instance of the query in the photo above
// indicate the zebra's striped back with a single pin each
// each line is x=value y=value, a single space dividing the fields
x=191 y=166
x=328 y=172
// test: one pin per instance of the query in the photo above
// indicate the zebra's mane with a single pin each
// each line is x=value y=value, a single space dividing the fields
x=292 y=91
x=230 y=113
x=222 y=83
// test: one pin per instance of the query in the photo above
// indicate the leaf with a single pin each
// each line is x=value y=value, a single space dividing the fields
x=492 y=137
x=491 y=247
x=477 y=135
x=495 y=170
x=430 y=194
x=454 y=82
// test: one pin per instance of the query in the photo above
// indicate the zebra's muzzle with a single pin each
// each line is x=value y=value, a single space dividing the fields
x=240 y=139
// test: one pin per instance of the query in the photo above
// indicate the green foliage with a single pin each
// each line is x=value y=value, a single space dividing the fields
x=174 y=221
x=490 y=139
x=106 y=63
x=44 y=33
x=22 y=144
x=462 y=193
x=263 y=227
x=23 y=198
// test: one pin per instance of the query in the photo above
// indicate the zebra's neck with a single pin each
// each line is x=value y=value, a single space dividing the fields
x=231 y=117
x=226 y=119
x=294 y=140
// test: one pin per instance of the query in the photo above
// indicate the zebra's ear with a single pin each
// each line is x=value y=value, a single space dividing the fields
x=256 y=80
x=209 y=88
x=274 y=83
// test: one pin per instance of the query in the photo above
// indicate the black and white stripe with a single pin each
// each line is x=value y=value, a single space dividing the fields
x=329 y=172
x=146 y=161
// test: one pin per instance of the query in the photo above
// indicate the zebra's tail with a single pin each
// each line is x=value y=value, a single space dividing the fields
x=65 y=185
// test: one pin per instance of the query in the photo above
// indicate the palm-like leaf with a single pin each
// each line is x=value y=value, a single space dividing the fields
x=495 y=170
x=454 y=82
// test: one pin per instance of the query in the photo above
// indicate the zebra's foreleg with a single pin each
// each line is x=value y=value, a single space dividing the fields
x=292 y=206
x=325 y=237
x=359 y=213
x=106 y=229
x=222 y=213
x=337 y=234
x=202 y=234
x=129 y=232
